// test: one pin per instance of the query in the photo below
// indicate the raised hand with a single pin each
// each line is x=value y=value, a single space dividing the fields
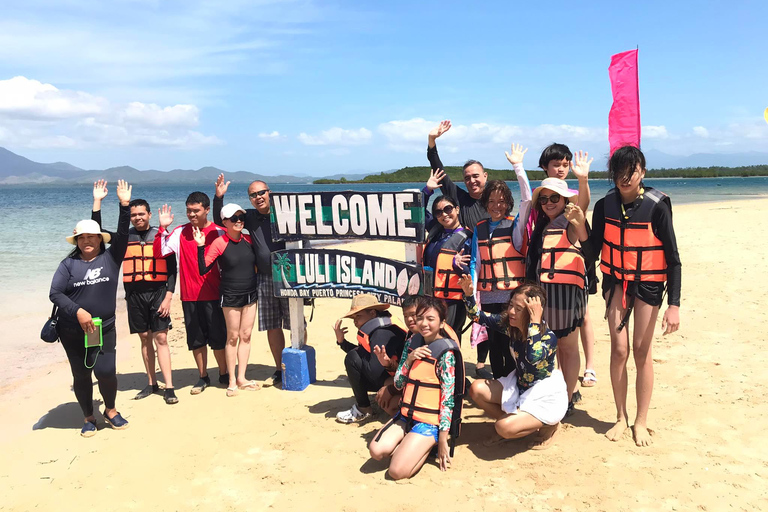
x=164 y=216
x=462 y=260
x=671 y=320
x=340 y=331
x=580 y=164
x=535 y=310
x=440 y=129
x=465 y=282
x=124 y=192
x=221 y=186
x=100 y=189
x=198 y=236
x=574 y=214
x=435 y=177
x=381 y=354
x=516 y=154
x=419 y=353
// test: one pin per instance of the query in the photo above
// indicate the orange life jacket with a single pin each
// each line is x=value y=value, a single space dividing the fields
x=421 y=394
x=139 y=263
x=631 y=251
x=561 y=261
x=446 y=279
x=501 y=266
x=366 y=331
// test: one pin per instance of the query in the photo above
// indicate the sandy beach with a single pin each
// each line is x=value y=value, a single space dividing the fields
x=280 y=450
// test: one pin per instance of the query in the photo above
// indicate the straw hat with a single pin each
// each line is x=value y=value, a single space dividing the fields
x=554 y=185
x=90 y=227
x=365 y=301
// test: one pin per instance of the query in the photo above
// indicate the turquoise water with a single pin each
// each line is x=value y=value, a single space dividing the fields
x=38 y=218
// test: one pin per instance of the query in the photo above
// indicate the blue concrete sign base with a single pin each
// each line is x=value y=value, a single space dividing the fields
x=299 y=368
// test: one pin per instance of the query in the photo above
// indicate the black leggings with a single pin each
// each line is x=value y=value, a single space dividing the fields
x=361 y=377
x=455 y=316
x=498 y=344
x=104 y=368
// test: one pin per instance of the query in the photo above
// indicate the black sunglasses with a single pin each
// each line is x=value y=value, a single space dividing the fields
x=446 y=210
x=238 y=217
x=258 y=193
x=554 y=198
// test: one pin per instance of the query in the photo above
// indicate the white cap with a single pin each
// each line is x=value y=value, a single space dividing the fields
x=90 y=227
x=229 y=210
x=555 y=185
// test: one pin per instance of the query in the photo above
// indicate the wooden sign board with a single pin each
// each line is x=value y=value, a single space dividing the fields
x=338 y=215
x=308 y=273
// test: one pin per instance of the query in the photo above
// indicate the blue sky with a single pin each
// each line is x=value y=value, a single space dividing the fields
x=318 y=88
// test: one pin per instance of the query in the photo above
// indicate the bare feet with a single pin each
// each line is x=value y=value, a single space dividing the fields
x=496 y=440
x=545 y=437
x=617 y=431
x=642 y=435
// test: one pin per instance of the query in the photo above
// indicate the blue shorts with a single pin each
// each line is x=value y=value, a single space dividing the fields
x=424 y=429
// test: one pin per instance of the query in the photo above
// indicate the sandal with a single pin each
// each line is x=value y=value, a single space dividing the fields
x=251 y=385
x=170 y=397
x=589 y=379
x=231 y=392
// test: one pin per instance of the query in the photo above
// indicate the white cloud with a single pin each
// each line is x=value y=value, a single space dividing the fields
x=701 y=131
x=271 y=135
x=337 y=137
x=411 y=135
x=40 y=115
x=654 y=132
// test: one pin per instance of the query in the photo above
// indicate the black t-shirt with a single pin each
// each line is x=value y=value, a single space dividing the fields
x=91 y=285
x=471 y=211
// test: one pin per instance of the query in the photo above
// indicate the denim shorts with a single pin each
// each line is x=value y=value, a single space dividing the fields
x=424 y=429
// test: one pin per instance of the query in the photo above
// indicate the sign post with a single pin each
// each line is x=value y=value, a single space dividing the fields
x=301 y=273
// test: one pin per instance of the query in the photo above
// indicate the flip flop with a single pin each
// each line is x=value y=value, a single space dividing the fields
x=251 y=385
x=589 y=379
x=231 y=392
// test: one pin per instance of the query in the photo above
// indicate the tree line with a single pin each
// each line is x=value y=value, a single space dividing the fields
x=421 y=174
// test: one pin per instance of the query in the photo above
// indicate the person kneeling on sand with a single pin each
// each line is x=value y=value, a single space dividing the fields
x=376 y=331
x=533 y=398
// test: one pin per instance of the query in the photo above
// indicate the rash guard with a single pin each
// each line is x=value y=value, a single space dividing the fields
x=236 y=260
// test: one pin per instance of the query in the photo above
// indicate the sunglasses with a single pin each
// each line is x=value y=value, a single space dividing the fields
x=238 y=217
x=445 y=211
x=258 y=193
x=554 y=198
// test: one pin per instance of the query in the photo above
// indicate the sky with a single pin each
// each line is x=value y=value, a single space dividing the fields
x=318 y=88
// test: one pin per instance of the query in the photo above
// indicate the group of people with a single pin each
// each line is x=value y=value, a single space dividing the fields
x=220 y=306
x=525 y=280
x=522 y=282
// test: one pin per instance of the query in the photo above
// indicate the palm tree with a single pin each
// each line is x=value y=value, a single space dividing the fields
x=284 y=264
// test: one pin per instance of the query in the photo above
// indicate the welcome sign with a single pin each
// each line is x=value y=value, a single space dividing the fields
x=308 y=273
x=334 y=215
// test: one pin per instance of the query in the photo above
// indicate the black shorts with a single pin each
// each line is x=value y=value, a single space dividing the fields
x=650 y=292
x=142 y=311
x=205 y=325
x=238 y=300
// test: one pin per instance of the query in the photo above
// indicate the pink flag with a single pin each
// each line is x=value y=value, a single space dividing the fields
x=624 y=118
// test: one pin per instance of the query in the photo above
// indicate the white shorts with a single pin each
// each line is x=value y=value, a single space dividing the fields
x=547 y=400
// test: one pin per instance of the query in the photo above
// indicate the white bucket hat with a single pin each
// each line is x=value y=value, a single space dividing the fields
x=90 y=227
x=229 y=210
x=555 y=185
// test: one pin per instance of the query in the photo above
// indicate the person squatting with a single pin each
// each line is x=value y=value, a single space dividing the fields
x=519 y=282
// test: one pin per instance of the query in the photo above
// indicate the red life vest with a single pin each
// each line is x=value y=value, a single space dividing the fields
x=366 y=331
x=501 y=266
x=139 y=263
x=561 y=261
x=631 y=251
x=446 y=279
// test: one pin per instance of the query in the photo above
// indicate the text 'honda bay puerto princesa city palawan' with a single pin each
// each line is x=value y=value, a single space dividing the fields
x=330 y=215
x=340 y=274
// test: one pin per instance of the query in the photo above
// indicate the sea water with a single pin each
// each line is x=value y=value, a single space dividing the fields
x=37 y=218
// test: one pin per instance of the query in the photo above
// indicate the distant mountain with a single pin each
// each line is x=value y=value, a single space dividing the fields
x=657 y=159
x=17 y=170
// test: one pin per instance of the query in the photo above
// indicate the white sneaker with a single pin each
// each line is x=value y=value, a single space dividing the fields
x=353 y=415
